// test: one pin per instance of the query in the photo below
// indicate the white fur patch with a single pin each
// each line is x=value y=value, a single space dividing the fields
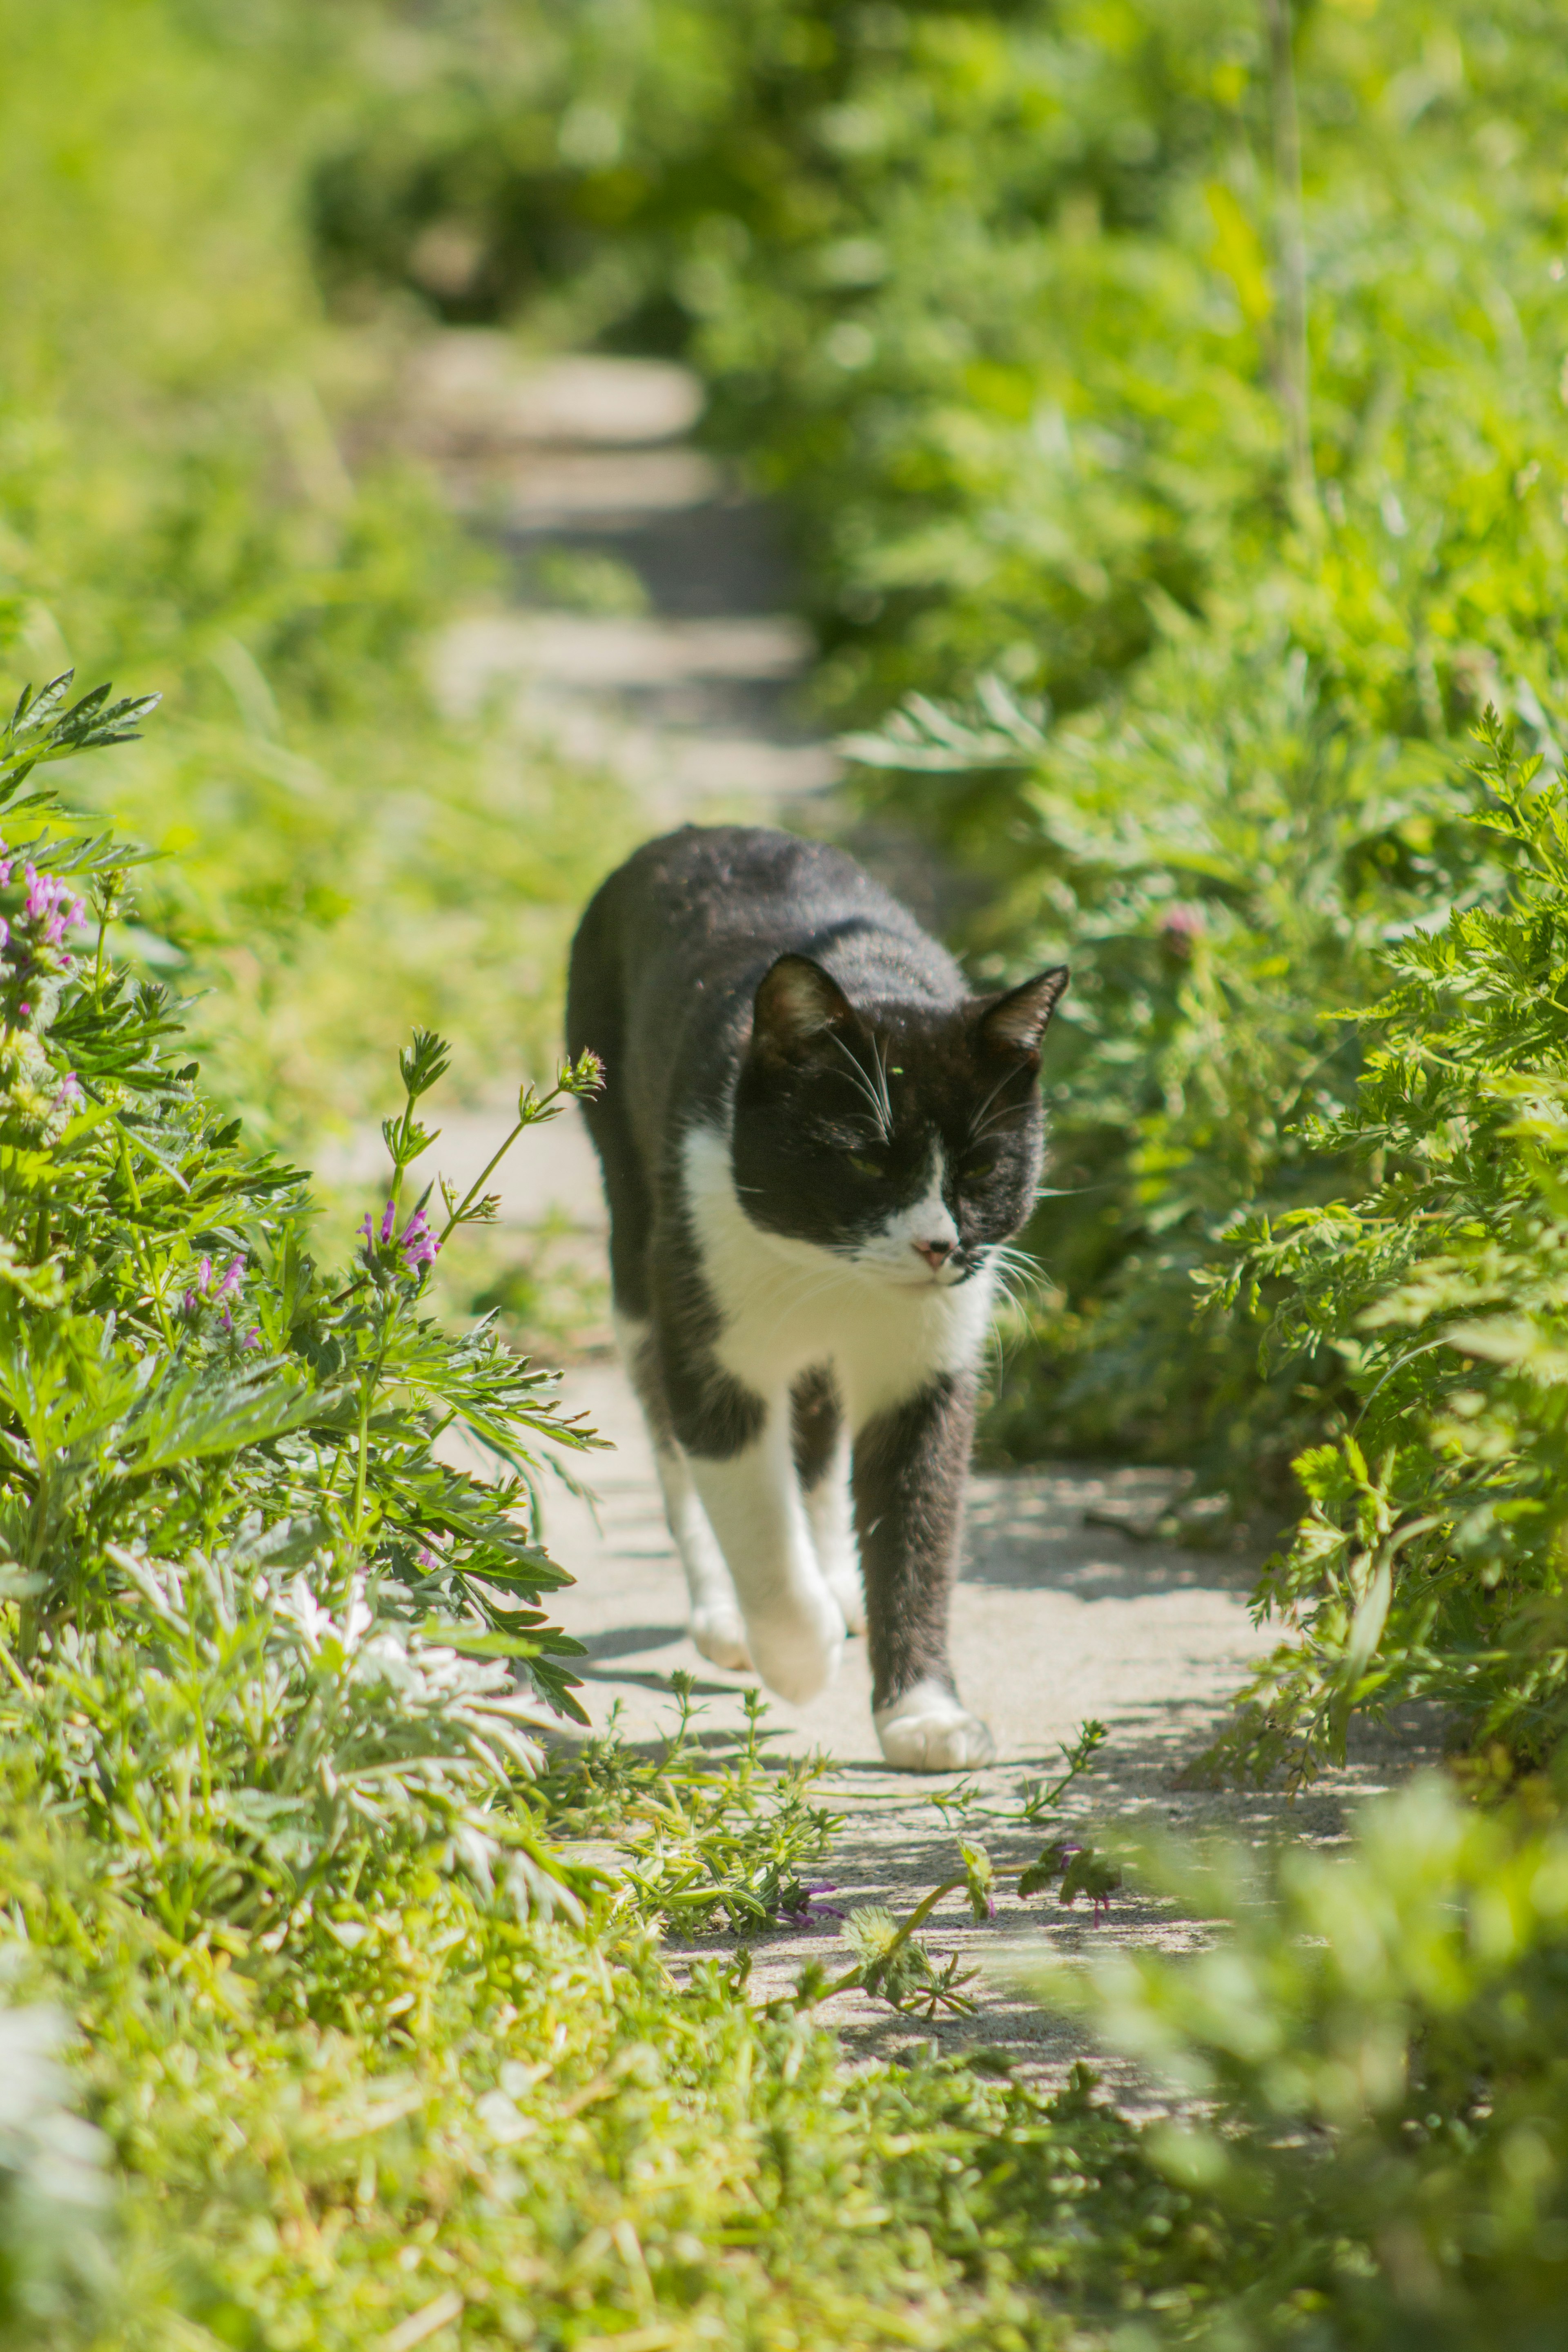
x=794 y=1628
x=887 y=1326
x=926 y=1729
x=831 y=1513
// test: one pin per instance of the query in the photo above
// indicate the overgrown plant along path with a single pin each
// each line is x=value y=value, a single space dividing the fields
x=1071 y=1607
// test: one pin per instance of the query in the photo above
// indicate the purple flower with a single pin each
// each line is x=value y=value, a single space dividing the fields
x=800 y=1905
x=417 y=1243
x=49 y=902
x=23 y=1010
x=426 y=1557
x=204 y=1275
x=230 y=1279
x=253 y=1336
x=70 y=1092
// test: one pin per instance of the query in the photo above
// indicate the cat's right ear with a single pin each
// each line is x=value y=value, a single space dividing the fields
x=798 y=1005
x=1016 y=1023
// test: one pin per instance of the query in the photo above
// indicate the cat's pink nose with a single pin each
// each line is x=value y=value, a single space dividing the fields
x=935 y=1254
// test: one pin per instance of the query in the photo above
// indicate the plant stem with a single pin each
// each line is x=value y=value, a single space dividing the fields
x=535 y=1113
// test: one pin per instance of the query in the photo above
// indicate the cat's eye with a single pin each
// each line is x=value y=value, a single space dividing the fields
x=977 y=1170
x=864 y=1167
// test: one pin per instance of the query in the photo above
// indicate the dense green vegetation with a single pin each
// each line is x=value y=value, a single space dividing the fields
x=176 y=497
x=322 y=2029
x=1430 y=1562
x=1170 y=522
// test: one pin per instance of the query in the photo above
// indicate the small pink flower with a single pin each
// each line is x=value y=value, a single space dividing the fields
x=69 y=1093
x=417 y=1243
x=388 y=1221
x=230 y=1279
x=253 y=1336
x=1183 y=922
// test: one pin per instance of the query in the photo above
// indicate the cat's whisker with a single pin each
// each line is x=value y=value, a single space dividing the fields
x=975 y=1128
x=874 y=1092
x=882 y=1088
x=1001 y=1122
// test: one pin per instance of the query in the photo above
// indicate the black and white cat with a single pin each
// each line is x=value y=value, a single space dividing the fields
x=814 y=1139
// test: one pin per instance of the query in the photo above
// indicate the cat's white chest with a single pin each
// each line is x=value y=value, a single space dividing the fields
x=787 y=1303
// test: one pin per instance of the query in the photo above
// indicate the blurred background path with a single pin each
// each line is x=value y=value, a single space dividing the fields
x=1070 y=1605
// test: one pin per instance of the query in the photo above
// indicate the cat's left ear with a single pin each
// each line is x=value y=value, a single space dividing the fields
x=797 y=1004
x=1015 y=1024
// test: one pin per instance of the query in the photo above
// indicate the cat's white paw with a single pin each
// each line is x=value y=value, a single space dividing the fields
x=796 y=1649
x=926 y=1730
x=722 y=1638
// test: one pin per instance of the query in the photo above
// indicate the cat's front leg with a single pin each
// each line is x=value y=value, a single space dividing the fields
x=822 y=1462
x=909 y=1468
x=795 y=1629
x=715 y=1618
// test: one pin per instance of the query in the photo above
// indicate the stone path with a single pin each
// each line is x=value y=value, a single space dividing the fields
x=1058 y=1617
x=583 y=474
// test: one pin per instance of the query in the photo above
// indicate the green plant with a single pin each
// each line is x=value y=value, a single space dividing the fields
x=1219 y=859
x=1430 y=1560
x=1366 y=2066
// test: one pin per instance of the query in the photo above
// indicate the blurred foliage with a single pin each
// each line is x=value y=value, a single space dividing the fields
x=1373 y=2103
x=189 y=485
x=998 y=302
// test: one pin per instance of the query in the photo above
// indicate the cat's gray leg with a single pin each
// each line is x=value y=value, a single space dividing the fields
x=715 y=1620
x=821 y=1440
x=911 y=1463
x=794 y=1627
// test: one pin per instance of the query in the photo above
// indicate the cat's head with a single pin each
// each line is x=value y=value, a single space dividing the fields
x=905 y=1137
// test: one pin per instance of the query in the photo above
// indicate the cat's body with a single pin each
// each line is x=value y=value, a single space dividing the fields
x=812 y=1137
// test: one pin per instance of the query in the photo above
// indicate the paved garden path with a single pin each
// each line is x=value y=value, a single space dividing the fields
x=1069 y=1606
